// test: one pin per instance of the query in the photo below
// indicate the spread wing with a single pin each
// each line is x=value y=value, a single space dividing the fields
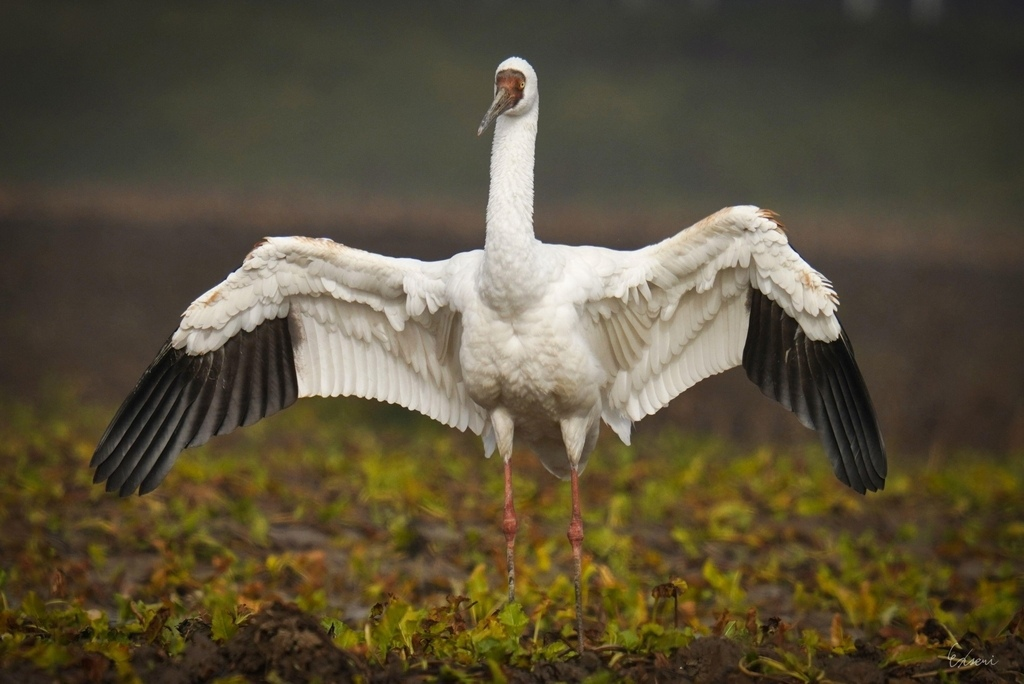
x=301 y=317
x=726 y=291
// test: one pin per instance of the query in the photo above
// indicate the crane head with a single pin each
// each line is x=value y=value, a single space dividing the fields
x=515 y=90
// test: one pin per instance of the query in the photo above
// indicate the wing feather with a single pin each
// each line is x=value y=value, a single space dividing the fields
x=120 y=433
x=300 y=317
x=182 y=400
x=157 y=405
x=212 y=405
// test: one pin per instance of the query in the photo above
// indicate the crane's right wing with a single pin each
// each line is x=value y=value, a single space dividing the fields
x=301 y=317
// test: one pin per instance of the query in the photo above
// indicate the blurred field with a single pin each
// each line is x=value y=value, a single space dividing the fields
x=791 y=104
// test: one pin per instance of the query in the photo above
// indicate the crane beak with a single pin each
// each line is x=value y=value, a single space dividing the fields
x=504 y=99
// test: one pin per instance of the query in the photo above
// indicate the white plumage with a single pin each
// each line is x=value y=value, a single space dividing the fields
x=521 y=339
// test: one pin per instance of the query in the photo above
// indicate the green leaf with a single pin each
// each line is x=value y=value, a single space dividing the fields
x=513 y=617
x=222 y=624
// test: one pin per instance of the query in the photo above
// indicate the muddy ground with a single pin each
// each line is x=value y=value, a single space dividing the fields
x=285 y=644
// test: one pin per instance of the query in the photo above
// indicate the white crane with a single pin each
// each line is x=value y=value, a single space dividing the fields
x=521 y=339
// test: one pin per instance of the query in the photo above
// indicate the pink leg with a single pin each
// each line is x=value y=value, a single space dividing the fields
x=576 y=539
x=510 y=525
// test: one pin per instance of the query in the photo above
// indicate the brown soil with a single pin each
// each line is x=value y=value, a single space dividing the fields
x=284 y=644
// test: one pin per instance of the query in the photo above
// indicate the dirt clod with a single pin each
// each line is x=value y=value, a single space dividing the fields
x=280 y=643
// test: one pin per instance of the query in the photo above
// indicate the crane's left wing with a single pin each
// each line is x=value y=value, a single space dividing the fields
x=301 y=317
x=726 y=291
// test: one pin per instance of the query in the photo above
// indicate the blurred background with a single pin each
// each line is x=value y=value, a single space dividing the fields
x=145 y=147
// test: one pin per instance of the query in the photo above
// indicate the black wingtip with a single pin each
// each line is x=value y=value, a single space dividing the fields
x=821 y=383
x=182 y=401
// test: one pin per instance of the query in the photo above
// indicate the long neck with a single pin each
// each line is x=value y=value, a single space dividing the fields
x=510 y=246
